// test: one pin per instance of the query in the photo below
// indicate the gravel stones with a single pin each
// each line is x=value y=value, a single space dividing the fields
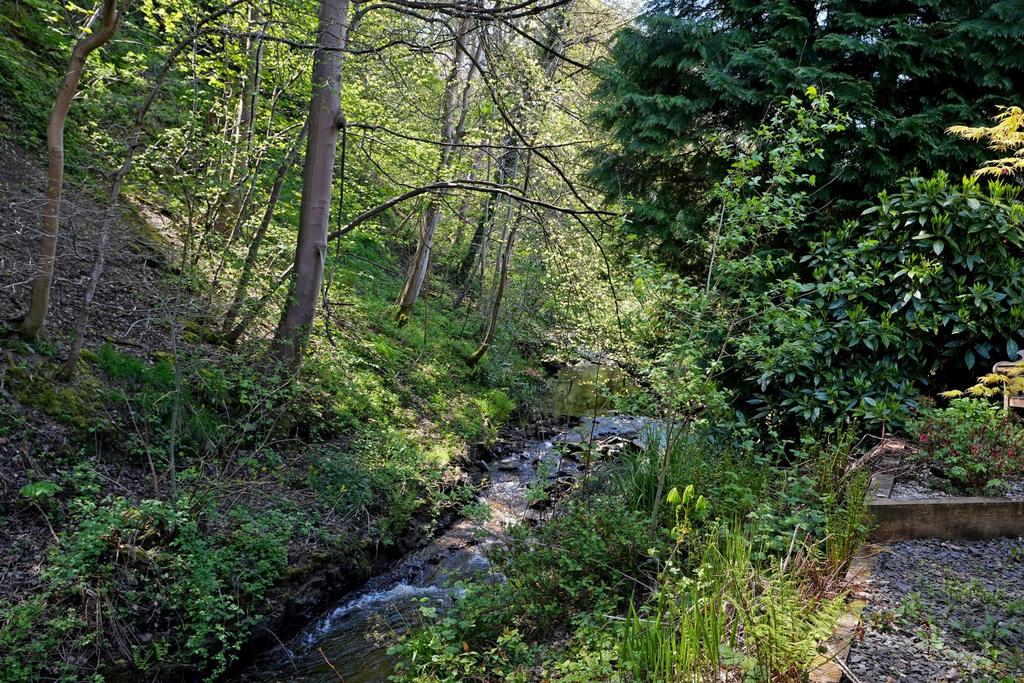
x=919 y=490
x=944 y=611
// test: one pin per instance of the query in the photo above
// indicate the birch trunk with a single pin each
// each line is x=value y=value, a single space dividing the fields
x=451 y=134
x=499 y=292
x=248 y=97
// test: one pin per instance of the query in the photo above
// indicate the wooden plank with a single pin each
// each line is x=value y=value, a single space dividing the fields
x=898 y=519
x=830 y=666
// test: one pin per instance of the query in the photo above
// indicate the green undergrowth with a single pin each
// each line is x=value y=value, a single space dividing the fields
x=25 y=96
x=240 y=476
x=971 y=446
x=734 y=569
x=146 y=584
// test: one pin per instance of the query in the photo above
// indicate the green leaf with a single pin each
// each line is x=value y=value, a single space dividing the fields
x=40 y=490
x=673 y=496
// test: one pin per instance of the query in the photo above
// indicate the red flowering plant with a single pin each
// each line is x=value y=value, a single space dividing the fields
x=972 y=446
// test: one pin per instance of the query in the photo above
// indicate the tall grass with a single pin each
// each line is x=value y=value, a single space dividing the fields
x=847 y=523
x=635 y=476
x=734 y=613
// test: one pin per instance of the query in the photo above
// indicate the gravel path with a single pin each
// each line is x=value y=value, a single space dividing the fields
x=918 y=489
x=944 y=611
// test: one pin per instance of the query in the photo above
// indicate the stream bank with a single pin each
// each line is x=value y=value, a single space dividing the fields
x=342 y=619
x=350 y=641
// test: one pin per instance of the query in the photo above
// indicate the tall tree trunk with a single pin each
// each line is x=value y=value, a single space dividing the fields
x=478 y=169
x=451 y=134
x=549 y=65
x=254 y=85
x=248 y=97
x=325 y=121
x=505 y=173
x=40 y=299
x=71 y=363
x=499 y=292
x=249 y=266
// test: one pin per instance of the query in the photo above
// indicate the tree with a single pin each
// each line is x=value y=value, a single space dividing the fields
x=452 y=129
x=40 y=298
x=1006 y=137
x=548 y=63
x=135 y=142
x=229 y=329
x=694 y=73
x=325 y=122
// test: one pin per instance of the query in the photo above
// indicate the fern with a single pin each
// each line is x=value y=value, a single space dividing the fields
x=785 y=626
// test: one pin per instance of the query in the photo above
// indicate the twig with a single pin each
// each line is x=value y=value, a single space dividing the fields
x=47 y=520
x=336 y=673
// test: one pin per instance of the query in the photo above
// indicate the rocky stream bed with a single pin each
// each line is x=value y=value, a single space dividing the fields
x=350 y=641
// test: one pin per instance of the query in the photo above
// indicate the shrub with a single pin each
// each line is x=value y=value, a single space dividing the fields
x=972 y=443
x=143 y=583
x=925 y=286
x=731 y=479
x=582 y=561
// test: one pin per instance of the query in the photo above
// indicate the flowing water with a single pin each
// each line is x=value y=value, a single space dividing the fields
x=351 y=640
x=349 y=643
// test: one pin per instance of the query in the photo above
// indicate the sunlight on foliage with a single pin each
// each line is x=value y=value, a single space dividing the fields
x=1006 y=136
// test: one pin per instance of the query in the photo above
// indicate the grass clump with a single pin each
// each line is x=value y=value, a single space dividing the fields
x=621 y=586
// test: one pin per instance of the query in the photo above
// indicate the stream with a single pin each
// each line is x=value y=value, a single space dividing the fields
x=349 y=643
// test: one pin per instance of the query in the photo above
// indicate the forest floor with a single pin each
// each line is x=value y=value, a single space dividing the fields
x=131 y=299
x=371 y=457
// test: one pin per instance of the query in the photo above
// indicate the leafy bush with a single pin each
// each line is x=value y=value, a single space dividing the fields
x=580 y=562
x=731 y=478
x=924 y=287
x=847 y=323
x=817 y=496
x=151 y=570
x=973 y=443
x=386 y=476
x=580 y=559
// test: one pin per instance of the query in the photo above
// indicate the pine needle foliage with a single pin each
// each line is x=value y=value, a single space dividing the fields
x=693 y=73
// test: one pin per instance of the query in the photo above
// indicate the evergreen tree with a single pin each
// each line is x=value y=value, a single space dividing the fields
x=694 y=74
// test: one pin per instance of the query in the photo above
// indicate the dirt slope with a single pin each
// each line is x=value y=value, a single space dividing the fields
x=133 y=306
